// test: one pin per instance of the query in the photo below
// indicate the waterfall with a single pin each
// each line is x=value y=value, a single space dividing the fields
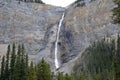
x=56 y=43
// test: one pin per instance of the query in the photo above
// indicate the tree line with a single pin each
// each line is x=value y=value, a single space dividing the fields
x=81 y=3
x=116 y=12
x=101 y=61
x=15 y=65
x=33 y=1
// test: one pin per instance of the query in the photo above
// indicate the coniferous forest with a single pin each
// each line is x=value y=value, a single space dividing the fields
x=101 y=61
x=36 y=1
x=15 y=65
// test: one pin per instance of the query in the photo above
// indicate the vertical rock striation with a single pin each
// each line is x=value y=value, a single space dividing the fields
x=33 y=24
x=36 y=26
x=82 y=26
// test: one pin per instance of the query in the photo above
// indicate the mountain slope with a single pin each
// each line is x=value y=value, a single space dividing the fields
x=36 y=25
x=84 y=25
x=33 y=24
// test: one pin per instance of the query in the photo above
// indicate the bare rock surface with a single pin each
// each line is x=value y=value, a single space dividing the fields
x=82 y=26
x=33 y=24
x=36 y=25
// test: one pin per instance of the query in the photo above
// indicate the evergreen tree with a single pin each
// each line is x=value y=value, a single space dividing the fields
x=116 y=12
x=103 y=60
x=7 y=72
x=60 y=76
x=17 y=68
x=36 y=1
x=26 y=67
x=116 y=60
x=32 y=73
x=43 y=71
x=39 y=1
x=12 y=63
x=79 y=3
x=81 y=76
x=68 y=77
x=22 y=62
x=2 y=77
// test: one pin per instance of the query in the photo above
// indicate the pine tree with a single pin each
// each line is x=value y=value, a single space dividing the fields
x=2 y=77
x=26 y=67
x=81 y=76
x=116 y=61
x=116 y=12
x=43 y=71
x=32 y=73
x=60 y=76
x=39 y=1
x=68 y=77
x=7 y=72
x=23 y=63
x=17 y=68
x=12 y=63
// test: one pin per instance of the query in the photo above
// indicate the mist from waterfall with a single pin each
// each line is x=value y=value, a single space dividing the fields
x=56 y=43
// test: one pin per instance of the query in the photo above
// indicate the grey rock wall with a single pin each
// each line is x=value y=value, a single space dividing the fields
x=33 y=24
x=83 y=26
x=36 y=25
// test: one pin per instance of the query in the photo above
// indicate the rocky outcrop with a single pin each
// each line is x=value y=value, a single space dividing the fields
x=33 y=24
x=84 y=25
x=36 y=25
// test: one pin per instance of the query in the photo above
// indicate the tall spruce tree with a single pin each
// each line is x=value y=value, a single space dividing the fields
x=7 y=71
x=103 y=61
x=26 y=67
x=116 y=12
x=68 y=77
x=12 y=63
x=2 y=77
x=60 y=76
x=23 y=63
x=17 y=68
x=32 y=73
x=116 y=60
x=43 y=71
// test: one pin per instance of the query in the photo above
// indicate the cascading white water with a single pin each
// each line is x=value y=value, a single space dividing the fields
x=56 y=43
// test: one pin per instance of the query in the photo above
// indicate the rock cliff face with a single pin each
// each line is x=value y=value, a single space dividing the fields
x=84 y=25
x=36 y=25
x=33 y=24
